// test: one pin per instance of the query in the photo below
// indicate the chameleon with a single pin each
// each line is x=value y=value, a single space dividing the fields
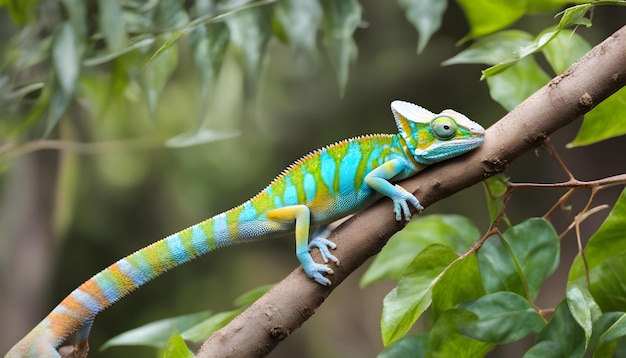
x=319 y=188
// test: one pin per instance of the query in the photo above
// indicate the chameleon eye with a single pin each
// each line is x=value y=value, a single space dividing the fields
x=443 y=127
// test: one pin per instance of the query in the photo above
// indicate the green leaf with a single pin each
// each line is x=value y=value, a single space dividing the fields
x=583 y=308
x=299 y=20
x=409 y=346
x=250 y=30
x=600 y=326
x=446 y=341
x=170 y=14
x=605 y=121
x=208 y=45
x=155 y=75
x=605 y=254
x=539 y=6
x=176 y=348
x=564 y=49
x=66 y=60
x=616 y=331
x=493 y=49
x=513 y=85
x=155 y=334
x=248 y=298
x=112 y=24
x=460 y=283
x=452 y=230
x=22 y=11
x=608 y=283
x=203 y=330
x=341 y=19
x=405 y=303
x=495 y=188
x=76 y=14
x=487 y=16
x=104 y=57
x=528 y=251
x=500 y=318
x=425 y=16
x=561 y=337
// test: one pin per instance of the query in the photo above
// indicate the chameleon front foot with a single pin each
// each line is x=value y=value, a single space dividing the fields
x=401 y=203
x=314 y=270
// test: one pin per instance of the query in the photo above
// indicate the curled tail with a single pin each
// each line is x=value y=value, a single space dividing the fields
x=78 y=310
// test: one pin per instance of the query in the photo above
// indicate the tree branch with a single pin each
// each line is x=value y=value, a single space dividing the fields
x=273 y=317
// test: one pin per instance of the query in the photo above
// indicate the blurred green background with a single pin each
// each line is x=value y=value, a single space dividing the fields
x=65 y=215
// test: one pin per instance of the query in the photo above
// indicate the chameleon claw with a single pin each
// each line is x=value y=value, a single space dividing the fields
x=323 y=245
x=401 y=204
x=317 y=274
x=314 y=270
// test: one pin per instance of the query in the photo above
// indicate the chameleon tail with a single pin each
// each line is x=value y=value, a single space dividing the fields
x=78 y=310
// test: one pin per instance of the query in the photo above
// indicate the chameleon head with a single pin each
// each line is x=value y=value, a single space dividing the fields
x=432 y=138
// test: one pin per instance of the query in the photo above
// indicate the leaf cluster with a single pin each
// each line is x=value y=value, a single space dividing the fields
x=474 y=295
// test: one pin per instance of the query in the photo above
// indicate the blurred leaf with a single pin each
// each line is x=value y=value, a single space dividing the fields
x=460 y=283
x=452 y=230
x=529 y=249
x=405 y=303
x=170 y=39
x=446 y=341
x=425 y=16
x=66 y=60
x=200 y=137
x=408 y=346
x=501 y=318
x=170 y=14
x=495 y=188
x=561 y=337
x=583 y=308
x=607 y=242
x=487 y=16
x=112 y=24
x=513 y=85
x=248 y=298
x=176 y=348
x=300 y=20
x=341 y=19
x=493 y=49
x=155 y=74
x=136 y=43
x=22 y=11
x=201 y=331
x=155 y=334
x=564 y=49
x=605 y=121
x=250 y=31
x=538 y=6
x=208 y=45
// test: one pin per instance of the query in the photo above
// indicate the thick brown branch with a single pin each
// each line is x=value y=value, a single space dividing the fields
x=274 y=316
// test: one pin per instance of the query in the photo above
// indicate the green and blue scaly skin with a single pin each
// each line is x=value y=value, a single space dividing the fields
x=321 y=187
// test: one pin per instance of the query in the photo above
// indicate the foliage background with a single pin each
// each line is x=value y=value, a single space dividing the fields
x=69 y=215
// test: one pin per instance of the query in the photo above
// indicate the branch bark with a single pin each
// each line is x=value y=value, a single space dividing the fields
x=273 y=317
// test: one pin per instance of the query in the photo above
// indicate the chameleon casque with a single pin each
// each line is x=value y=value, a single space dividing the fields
x=321 y=187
